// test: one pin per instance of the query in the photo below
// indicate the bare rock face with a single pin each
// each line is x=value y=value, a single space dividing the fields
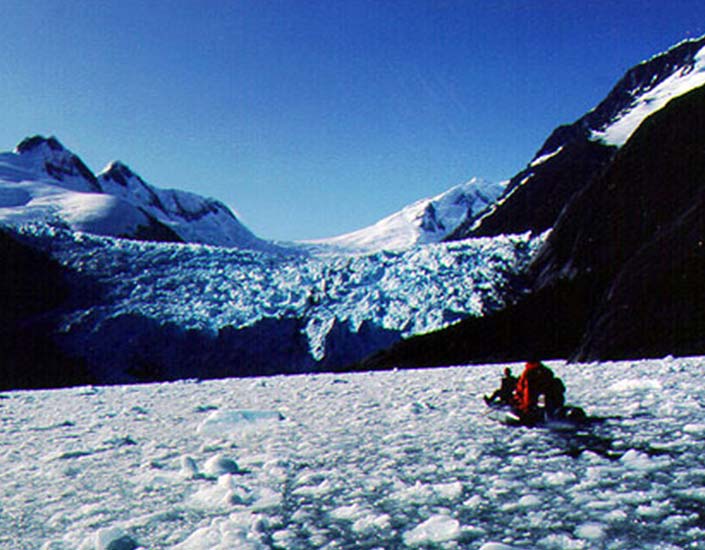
x=638 y=232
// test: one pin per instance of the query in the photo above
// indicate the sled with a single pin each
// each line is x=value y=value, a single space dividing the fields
x=567 y=418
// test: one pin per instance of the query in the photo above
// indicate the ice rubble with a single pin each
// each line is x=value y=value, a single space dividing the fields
x=222 y=423
x=352 y=465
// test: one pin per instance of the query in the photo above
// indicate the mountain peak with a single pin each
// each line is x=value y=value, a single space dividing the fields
x=120 y=173
x=646 y=88
x=49 y=156
x=193 y=217
x=426 y=221
x=39 y=142
x=117 y=166
x=575 y=153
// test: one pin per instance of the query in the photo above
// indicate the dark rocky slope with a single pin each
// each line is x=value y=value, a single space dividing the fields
x=536 y=196
x=639 y=231
x=33 y=287
x=622 y=274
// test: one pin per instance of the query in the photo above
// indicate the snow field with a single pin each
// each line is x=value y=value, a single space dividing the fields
x=379 y=460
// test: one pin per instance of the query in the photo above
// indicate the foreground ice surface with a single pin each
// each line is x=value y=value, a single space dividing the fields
x=378 y=460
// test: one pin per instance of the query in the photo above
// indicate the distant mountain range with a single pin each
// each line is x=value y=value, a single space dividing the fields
x=42 y=181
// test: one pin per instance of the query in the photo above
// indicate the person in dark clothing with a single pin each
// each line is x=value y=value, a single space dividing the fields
x=505 y=392
x=555 y=397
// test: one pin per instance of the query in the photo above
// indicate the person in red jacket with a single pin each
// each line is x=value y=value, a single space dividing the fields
x=537 y=380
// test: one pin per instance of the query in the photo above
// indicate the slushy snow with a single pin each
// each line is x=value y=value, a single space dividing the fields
x=399 y=459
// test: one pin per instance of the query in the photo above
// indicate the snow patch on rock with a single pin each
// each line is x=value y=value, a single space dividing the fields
x=619 y=130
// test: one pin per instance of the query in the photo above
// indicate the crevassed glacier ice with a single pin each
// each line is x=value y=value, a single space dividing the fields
x=209 y=289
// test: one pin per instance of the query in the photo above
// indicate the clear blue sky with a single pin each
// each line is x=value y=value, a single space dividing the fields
x=313 y=118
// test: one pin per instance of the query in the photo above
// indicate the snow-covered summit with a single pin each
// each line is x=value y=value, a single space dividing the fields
x=425 y=221
x=193 y=217
x=644 y=89
x=574 y=154
x=42 y=181
x=48 y=157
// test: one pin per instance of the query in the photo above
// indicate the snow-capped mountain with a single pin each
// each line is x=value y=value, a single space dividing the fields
x=647 y=88
x=194 y=218
x=574 y=154
x=42 y=181
x=154 y=310
x=425 y=221
x=628 y=245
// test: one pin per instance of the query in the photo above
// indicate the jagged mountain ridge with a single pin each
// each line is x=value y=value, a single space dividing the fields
x=574 y=154
x=192 y=217
x=569 y=159
x=42 y=181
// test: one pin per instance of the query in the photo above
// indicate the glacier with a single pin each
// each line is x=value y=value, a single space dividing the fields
x=185 y=310
x=227 y=303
